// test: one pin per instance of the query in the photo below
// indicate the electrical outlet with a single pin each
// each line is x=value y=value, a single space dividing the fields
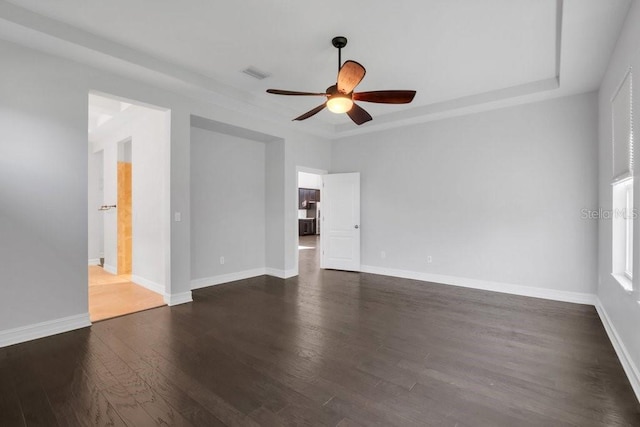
x=221 y=260
x=177 y=217
x=429 y=259
x=383 y=254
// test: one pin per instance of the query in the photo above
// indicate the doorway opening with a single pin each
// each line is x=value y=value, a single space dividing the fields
x=309 y=199
x=129 y=217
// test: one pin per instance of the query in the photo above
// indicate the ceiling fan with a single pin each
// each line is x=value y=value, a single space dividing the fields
x=341 y=97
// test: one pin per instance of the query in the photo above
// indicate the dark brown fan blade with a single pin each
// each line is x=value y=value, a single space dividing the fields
x=386 y=96
x=350 y=75
x=292 y=92
x=312 y=112
x=359 y=115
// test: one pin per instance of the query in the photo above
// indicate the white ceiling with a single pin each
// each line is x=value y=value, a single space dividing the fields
x=457 y=54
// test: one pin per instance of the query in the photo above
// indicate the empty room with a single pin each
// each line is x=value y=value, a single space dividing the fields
x=348 y=213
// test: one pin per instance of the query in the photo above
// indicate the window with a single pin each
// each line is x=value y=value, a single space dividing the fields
x=628 y=230
x=624 y=213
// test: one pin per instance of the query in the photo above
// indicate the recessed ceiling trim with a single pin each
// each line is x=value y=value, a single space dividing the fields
x=459 y=103
x=221 y=94
x=454 y=107
x=68 y=33
x=413 y=114
x=27 y=28
x=227 y=129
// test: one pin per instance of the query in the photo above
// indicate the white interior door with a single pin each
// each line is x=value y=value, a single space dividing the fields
x=340 y=236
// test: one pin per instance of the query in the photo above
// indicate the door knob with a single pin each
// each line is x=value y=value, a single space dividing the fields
x=357 y=227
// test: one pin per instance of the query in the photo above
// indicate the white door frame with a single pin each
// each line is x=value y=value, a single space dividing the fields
x=297 y=237
x=165 y=188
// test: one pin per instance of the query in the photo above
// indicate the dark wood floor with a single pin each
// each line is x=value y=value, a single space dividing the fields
x=327 y=348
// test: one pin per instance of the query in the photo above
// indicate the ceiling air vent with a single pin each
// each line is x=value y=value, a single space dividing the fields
x=255 y=73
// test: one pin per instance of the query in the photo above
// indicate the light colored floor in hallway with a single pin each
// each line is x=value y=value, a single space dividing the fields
x=113 y=295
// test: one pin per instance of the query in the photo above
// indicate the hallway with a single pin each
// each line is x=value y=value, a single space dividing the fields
x=309 y=254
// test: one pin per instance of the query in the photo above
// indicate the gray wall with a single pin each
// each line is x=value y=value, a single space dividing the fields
x=494 y=196
x=621 y=308
x=43 y=192
x=227 y=204
x=43 y=181
x=275 y=206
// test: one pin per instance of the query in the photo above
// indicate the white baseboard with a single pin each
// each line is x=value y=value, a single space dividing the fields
x=630 y=368
x=632 y=371
x=240 y=275
x=274 y=272
x=176 y=299
x=110 y=269
x=282 y=274
x=145 y=283
x=94 y=261
x=290 y=273
x=226 y=278
x=528 y=291
x=43 y=329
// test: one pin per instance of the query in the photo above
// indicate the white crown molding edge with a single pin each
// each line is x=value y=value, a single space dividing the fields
x=629 y=367
x=507 y=288
x=43 y=329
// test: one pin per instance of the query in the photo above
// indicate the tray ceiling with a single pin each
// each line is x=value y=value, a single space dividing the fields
x=458 y=55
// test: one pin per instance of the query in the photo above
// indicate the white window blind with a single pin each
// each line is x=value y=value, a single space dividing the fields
x=622 y=120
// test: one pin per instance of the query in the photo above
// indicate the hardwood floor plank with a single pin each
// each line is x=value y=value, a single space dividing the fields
x=362 y=413
x=326 y=348
x=67 y=368
x=36 y=408
x=389 y=372
x=200 y=393
x=308 y=414
x=265 y=417
x=10 y=409
x=144 y=395
x=348 y=422
x=248 y=384
x=34 y=402
x=177 y=379
x=128 y=407
x=288 y=374
x=199 y=416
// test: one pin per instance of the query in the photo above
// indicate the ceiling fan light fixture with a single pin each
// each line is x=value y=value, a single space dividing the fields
x=341 y=96
x=339 y=104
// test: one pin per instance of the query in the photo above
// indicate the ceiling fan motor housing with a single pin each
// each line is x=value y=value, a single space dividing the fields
x=339 y=42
